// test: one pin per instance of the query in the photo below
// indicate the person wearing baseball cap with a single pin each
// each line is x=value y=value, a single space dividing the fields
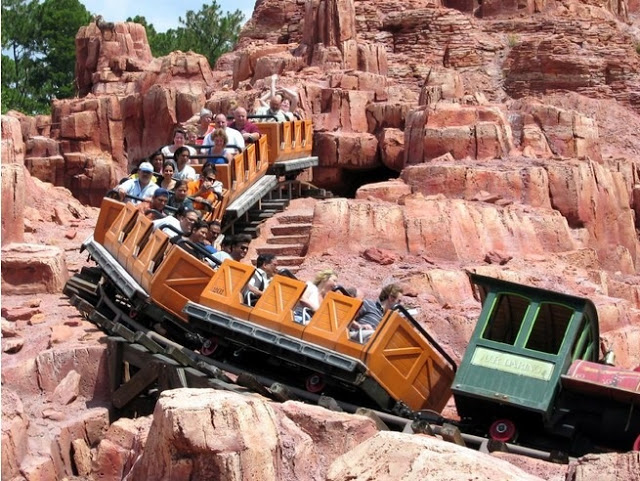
x=154 y=209
x=140 y=188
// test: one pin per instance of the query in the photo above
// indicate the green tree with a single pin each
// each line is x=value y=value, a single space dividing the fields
x=38 y=59
x=207 y=32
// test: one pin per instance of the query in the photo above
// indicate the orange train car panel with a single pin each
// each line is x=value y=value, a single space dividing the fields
x=147 y=261
x=406 y=365
x=602 y=380
x=271 y=132
x=180 y=277
x=308 y=136
x=262 y=151
x=297 y=144
x=223 y=174
x=133 y=243
x=119 y=229
x=224 y=290
x=286 y=141
x=239 y=176
x=331 y=320
x=274 y=309
x=109 y=210
x=251 y=163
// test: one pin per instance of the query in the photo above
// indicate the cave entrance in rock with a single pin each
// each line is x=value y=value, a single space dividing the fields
x=355 y=179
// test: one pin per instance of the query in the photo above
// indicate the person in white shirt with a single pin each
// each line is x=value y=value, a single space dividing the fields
x=181 y=222
x=266 y=268
x=182 y=157
x=274 y=111
x=179 y=140
x=234 y=137
x=141 y=187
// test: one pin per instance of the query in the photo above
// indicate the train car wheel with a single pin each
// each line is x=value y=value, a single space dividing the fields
x=209 y=346
x=315 y=383
x=503 y=430
x=636 y=444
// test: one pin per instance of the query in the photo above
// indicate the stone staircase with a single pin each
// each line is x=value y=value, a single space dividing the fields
x=289 y=240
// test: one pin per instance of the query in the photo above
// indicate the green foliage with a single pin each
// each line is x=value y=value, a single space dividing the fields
x=39 y=42
x=513 y=40
x=38 y=46
x=638 y=48
x=207 y=32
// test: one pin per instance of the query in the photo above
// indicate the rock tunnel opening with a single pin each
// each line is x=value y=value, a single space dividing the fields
x=353 y=180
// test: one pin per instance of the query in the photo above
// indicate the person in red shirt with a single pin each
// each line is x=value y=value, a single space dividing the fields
x=249 y=130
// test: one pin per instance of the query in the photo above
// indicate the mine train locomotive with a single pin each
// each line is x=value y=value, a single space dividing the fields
x=529 y=374
x=531 y=371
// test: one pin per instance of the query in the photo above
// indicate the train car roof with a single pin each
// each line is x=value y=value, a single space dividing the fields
x=485 y=284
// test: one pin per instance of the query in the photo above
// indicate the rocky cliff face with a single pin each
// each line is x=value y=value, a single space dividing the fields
x=511 y=128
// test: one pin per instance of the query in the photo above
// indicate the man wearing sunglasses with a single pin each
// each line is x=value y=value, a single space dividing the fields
x=206 y=189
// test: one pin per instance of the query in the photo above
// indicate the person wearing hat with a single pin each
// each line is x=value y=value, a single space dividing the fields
x=141 y=187
x=154 y=208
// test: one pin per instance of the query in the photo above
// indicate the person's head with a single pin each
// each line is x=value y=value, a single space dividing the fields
x=206 y=116
x=157 y=160
x=145 y=173
x=199 y=231
x=268 y=263
x=285 y=105
x=226 y=244
x=187 y=217
x=240 y=117
x=219 y=138
x=240 y=246
x=208 y=175
x=326 y=279
x=181 y=156
x=180 y=190
x=275 y=103
x=352 y=291
x=192 y=134
x=220 y=121
x=168 y=169
x=214 y=230
x=179 y=137
x=390 y=295
x=159 y=199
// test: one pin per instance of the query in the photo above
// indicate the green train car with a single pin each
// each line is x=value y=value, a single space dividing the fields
x=531 y=370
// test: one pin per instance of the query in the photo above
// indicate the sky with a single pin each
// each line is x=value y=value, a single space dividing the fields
x=163 y=14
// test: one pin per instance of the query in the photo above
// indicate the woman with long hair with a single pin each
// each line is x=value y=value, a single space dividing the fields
x=168 y=169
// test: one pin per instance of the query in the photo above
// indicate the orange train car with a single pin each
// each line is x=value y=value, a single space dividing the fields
x=400 y=367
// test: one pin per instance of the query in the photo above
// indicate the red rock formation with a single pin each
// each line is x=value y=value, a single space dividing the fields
x=204 y=434
x=13 y=175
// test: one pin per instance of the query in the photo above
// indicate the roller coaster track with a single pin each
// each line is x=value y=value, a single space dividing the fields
x=160 y=361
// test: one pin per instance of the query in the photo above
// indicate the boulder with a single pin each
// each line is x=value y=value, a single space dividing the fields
x=466 y=132
x=389 y=191
x=401 y=456
x=606 y=466
x=346 y=150
x=206 y=434
x=32 y=268
x=14 y=433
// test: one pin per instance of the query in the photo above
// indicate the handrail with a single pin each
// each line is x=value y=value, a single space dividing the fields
x=423 y=331
x=256 y=116
x=180 y=241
